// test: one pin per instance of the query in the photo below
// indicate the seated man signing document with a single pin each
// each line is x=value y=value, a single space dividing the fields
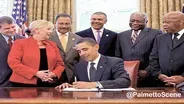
x=96 y=70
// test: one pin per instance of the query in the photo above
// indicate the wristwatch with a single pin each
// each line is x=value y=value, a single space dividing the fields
x=97 y=84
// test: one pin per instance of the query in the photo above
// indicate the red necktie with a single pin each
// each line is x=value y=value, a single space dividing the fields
x=10 y=42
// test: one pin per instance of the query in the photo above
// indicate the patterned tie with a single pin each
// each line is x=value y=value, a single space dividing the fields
x=98 y=36
x=62 y=39
x=10 y=43
x=92 y=71
x=175 y=39
x=134 y=36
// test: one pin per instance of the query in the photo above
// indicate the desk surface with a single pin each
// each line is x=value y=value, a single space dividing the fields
x=53 y=96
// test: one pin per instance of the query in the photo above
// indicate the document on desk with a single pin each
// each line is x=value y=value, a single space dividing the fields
x=95 y=89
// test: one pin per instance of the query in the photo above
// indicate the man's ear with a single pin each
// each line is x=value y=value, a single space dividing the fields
x=96 y=47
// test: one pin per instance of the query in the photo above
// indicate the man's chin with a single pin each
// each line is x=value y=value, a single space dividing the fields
x=86 y=59
x=10 y=34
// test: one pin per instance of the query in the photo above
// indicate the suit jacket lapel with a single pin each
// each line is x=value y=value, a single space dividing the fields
x=100 y=68
x=141 y=35
x=128 y=36
x=4 y=44
x=84 y=68
x=169 y=40
x=180 y=41
x=55 y=38
x=70 y=42
x=104 y=38
x=90 y=34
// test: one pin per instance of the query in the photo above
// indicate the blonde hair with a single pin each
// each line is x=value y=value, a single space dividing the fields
x=40 y=24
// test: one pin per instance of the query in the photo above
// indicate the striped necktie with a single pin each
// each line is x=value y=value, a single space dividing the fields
x=134 y=36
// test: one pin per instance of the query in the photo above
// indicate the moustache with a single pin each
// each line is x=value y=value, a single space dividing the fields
x=63 y=28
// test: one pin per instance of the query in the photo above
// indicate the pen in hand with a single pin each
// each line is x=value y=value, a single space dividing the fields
x=75 y=79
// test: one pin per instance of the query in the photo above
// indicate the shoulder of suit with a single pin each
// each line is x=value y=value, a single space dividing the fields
x=75 y=35
x=81 y=62
x=54 y=33
x=83 y=31
x=163 y=35
x=156 y=30
x=113 y=59
x=110 y=31
x=19 y=36
x=124 y=32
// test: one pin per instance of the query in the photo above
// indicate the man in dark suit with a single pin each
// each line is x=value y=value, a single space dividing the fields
x=96 y=70
x=136 y=44
x=7 y=37
x=167 y=59
x=68 y=54
x=105 y=38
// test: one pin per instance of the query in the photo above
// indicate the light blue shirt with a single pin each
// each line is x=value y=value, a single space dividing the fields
x=6 y=38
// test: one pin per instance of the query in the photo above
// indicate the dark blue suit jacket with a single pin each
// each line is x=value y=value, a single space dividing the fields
x=140 y=50
x=166 y=59
x=5 y=71
x=110 y=72
x=107 y=42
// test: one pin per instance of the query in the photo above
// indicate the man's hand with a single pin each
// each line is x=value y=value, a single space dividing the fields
x=86 y=85
x=175 y=79
x=163 y=77
x=64 y=85
x=142 y=74
x=167 y=80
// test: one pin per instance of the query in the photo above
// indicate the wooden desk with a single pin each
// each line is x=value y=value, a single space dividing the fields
x=52 y=96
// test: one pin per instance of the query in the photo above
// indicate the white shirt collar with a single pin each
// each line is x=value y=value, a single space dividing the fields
x=6 y=38
x=138 y=32
x=96 y=60
x=58 y=33
x=181 y=32
x=94 y=30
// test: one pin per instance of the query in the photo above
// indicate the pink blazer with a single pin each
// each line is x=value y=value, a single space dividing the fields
x=24 y=60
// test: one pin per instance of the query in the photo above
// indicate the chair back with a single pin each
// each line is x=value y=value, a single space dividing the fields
x=132 y=69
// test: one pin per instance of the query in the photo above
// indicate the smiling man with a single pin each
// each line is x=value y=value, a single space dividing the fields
x=65 y=41
x=136 y=44
x=104 y=37
x=7 y=37
x=96 y=70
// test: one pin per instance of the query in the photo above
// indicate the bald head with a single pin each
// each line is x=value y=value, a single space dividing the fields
x=173 y=22
x=138 y=20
